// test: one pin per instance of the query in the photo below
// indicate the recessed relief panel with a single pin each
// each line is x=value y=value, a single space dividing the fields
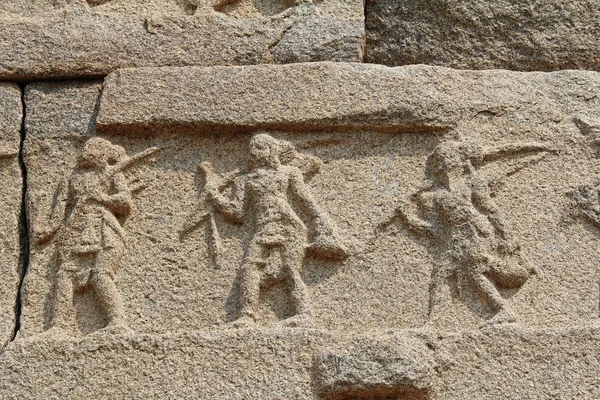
x=362 y=231
x=215 y=220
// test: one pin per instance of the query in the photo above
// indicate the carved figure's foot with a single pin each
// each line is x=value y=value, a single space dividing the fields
x=297 y=321
x=328 y=250
x=503 y=316
x=54 y=332
x=244 y=321
x=115 y=327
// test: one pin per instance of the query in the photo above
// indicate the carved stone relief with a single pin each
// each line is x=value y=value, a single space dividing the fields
x=361 y=248
x=455 y=209
x=87 y=224
x=295 y=232
x=263 y=200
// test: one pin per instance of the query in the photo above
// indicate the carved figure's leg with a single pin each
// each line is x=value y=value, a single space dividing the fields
x=102 y=280
x=436 y=294
x=250 y=283
x=292 y=257
x=63 y=300
x=486 y=288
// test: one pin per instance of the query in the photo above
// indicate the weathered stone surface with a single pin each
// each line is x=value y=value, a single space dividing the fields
x=387 y=366
x=80 y=40
x=299 y=96
x=328 y=95
x=506 y=362
x=343 y=229
x=243 y=364
x=515 y=363
x=484 y=34
x=10 y=206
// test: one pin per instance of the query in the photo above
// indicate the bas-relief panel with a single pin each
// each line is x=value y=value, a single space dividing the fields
x=332 y=230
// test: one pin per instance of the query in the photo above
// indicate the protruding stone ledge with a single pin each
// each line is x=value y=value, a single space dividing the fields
x=299 y=96
x=11 y=115
x=330 y=96
x=78 y=41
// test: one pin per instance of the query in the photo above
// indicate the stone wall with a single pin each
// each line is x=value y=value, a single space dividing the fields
x=265 y=199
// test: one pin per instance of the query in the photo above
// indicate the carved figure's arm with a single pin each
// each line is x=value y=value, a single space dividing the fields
x=407 y=213
x=323 y=225
x=122 y=201
x=326 y=243
x=232 y=209
x=482 y=199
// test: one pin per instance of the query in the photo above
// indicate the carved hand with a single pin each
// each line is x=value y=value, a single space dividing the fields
x=43 y=235
x=329 y=246
x=510 y=246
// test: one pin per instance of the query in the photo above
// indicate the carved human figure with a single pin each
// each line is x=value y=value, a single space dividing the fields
x=87 y=224
x=456 y=209
x=262 y=200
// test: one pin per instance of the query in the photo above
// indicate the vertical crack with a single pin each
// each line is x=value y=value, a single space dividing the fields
x=366 y=4
x=23 y=221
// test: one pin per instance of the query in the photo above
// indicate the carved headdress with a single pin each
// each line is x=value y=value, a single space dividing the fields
x=284 y=152
x=99 y=152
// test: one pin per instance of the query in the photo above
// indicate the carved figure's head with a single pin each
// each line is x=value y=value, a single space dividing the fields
x=99 y=153
x=451 y=159
x=266 y=151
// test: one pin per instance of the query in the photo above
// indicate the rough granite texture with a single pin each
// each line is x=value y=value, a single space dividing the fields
x=528 y=35
x=330 y=96
x=11 y=114
x=501 y=363
x=215 y=199
x=74 y=39
x=427 y=233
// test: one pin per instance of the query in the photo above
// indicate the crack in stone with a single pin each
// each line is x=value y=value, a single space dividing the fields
x=271 y=47
x=23 y=221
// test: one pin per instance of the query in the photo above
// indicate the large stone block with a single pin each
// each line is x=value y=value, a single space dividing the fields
x=385 y=365
x=299 y=96
x=327 y=96
x=11 y=114
x=75 y=39
x=360 y=229
x=518 y=35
